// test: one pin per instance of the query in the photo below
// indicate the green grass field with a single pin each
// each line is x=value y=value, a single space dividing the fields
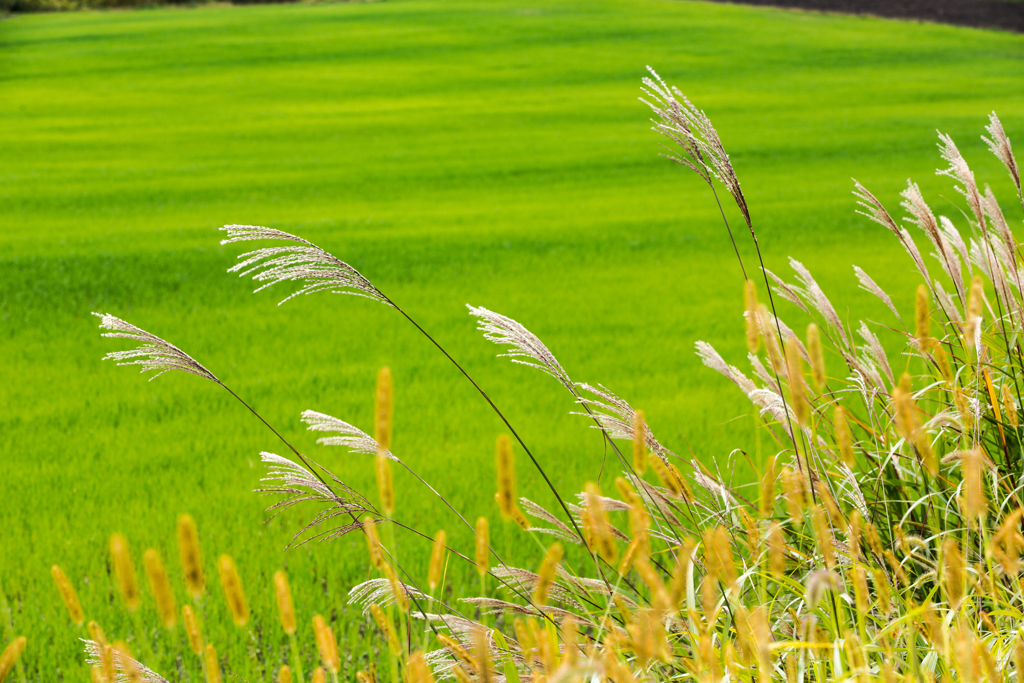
x=455 y=152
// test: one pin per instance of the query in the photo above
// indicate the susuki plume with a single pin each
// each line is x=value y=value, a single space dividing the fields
x=154 y=353
x=122 y=663
x=999 y=145
x=524 y=346
x=351 y=437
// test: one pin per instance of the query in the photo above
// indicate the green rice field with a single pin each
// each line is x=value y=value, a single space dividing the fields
x=492 y=153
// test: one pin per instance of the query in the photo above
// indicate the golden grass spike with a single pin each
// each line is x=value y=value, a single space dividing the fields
x=922 y=318
x=68 y=595
x=973 y=501
x=385 y=487
x=97 y=674
x=383 y=409
x=823 y=534
x=766 y=504
x=520 y=519
x=905 y=410
x=285 y=604
x=437 y=558
x=233 y=592
x=10 y=656
x=320 y=676
x=599 y=524
x=817 y=356
x=718 y=556
x=166 y=605
x=776 y=550
x=388 y=628
x=1018 y=654
x=546 y=573
x=461 y=676
x=793 y=490
x=525 y=639
x=397 y=589
x=191 y=560
x=963 y=409
x=771 y=342
x=952 y=573
x=373 y=542
x=569 y=638
x=835 y=516
x=750 y=308
x=457 y=649
x=417 y=669
x=665 y=476
x=994 y=400
x=107 y=663
x=1009 y=407
x=284 y=674
x=942 y=360
x=483 y=547
x=860 y=589
x=660 y=597
x=195 y=638
x=639 y=442
x=506 y=470
x=844 y=438
x=482 y=653
x=882 y=591
x=124 y=570
x=96 y=633
x=326 y=644
x=212 y=665
x=684 y=560
x=797 y=390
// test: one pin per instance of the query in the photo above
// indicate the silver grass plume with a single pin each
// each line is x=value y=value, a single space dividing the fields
x=351 y=437
x=616 y=417
x=525 y=347
x=959 y=170
x=869 y=285
x=922 y=216
x=318 y=270
x=126 y=667
x=154 y=354
x=1000 y=146
x=379 y=592
x=876 y=211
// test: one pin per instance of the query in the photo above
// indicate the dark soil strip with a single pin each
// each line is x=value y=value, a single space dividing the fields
x=1008 y=16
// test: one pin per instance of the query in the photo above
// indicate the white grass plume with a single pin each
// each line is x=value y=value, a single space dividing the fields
x=999 y=145
x=154 y=354
x=318 y=270
x=351 y=437
x=525 y=347
x=869 y=285
x=123 y=665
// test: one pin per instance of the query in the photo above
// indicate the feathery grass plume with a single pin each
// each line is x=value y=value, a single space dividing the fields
x=191 y=559
x=437 y=560
x=525 y=347
x=195 y=638
x=384 y=486
x=506 y=476
x=953 y=572
x=797 y=392
x=10 y=656
x=1009 y=407
x=457 y=650
x=96 y=633
x=418 y=671
x=817 y=356
x=154 y=354
x=326 y=644
x=320 y=676
x=972 y=331
x=844 y=438
x=166 y=606
x=546 y=573
x=212 y=664
x=388 y=628
x=750 y=316
x=116 y=664
x=1000 y=146
x=284 y=674
x=130 y=669
x=974 y=503
x=639 y=443
x=231 y=582
x=397 y=588
x=483 y=547
x=68 y=595
x=1007 y=543
x=373 y=542
x=600 y=527
x=124 y=570
x=285 y=605
x=922 y=318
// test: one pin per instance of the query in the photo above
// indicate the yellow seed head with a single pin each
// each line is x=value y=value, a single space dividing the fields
x=457 y=650
x=665 y=475
x=860 y=589
x=326 y=644
x=569 y=636
x=922 y=316
x=387 y=627
x=124 y=570
x=417 y=669
x=437 y=558
x=1009 y=407
x=397 y=589
x=718 y=556
x=129 y=666
x=107 y=663
x=96 y=633
x=233 y=593
x=546 y=573
x=212 y=665
x=520 y=519
x=823 y=534
x=384 y=486
x=976 y=296
x=844 y=439
x=285 y=605
x=750 y=307
x=814 y=350
x=600 y=527
x=771 y=342
x=284 y=674
x=320 y=676
x=191 y=561
x=639 y=442
x=506 y=477
x=974 y=502
x=942 y=360
x=767 y=503
x=953 y=572
x=793 y=489
x=1018 y=654
x=661 y=598
x=684 y=562
x=97 y=674
x=964 y=409
x=905 y=409
x=67 y=593
x=382 y=409
x=166 y=605
x=10 y=656
x=484 y=668
x=373 y=542
x=797 y=390
x=195 y=638
x=881 y=590
x=776 y=550
x=483 y=547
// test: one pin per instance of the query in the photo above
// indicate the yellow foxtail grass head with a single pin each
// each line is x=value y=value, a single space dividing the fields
x=973 y=501
x=195 y=638
x=767 y=488
x=385 y=488
x=285 y=604
x=525 y=638
x=684 y=566
x=96 y=633
x=860 y=589
x=776 y=550
x=853 y=536
x=11 y=655
x=922 y=318
x=835 y=516
x=68 y=595
x=547 y=572
x=284 y=674
x=191 y=560
x=665 y=475
x=952 y=573
x=750 y=310
x=461 y=676
x=482 y=653
x=963 y=408
x=124 y=571
x=639 y=442
x=397 y=589
x=506 y=476
x=1018 y=653
x=823 y=534
x=483 y=547
x=771 y=342
x=753 y=531
x=569 y=637
x=520 y=519
x=387 y=628
x=457 y=650
x=326 y=644
x=212 y=664
x=437 y=561
x=320 y=676
x=844 y=438
x=97 y=674
x=231 y=582
x=417 y=669
x=905 y=410
x=383 y=408
x=942 y=361
x=166 y=605
x=373 y=542
x=793 y=490
x=881 y=590
x=817 y=356
x=1007 y=543
x=107 y=663
x=130 y=669
x=718 y=556
x=684 y=489
x=1009 y=407
x=600 y=527
x=660 y=597
x=648 y=635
